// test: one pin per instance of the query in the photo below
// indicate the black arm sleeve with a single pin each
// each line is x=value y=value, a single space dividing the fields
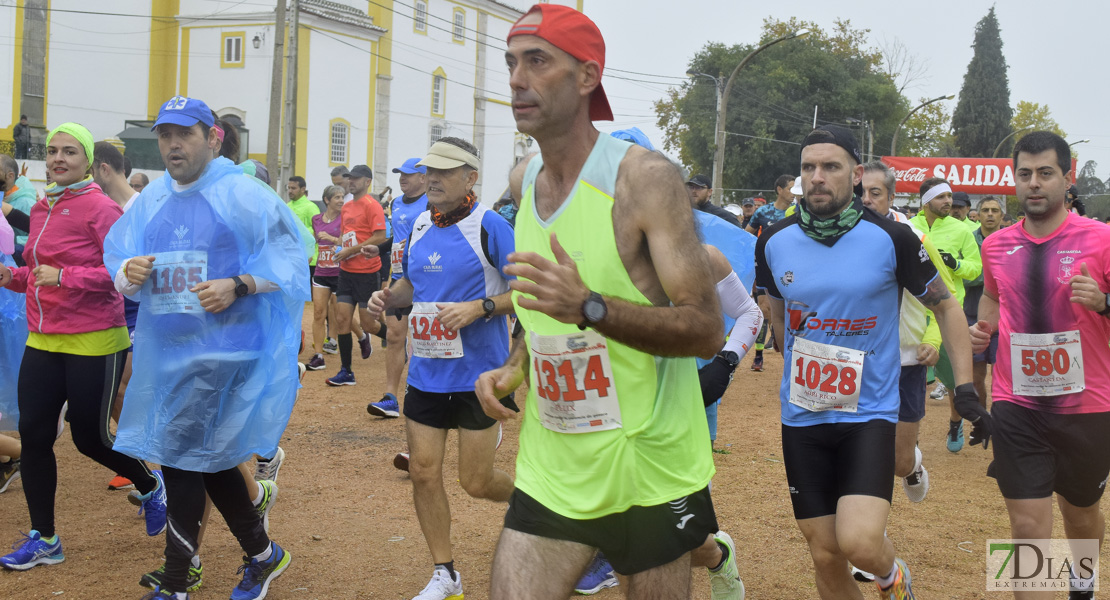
x=385 y=248
x=19 y=220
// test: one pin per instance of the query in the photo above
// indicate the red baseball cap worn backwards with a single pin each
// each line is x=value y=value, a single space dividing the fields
x=573 y=33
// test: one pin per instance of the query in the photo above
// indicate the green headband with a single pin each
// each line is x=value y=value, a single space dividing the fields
x=79 y=133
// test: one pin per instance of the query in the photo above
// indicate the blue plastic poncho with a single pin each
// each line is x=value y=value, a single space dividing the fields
x=737 y=245
x=209 y=390
x=13 y=340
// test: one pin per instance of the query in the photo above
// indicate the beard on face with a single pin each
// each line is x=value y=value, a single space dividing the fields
x=838 y=202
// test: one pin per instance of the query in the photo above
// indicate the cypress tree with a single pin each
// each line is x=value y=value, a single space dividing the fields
x=982 y=116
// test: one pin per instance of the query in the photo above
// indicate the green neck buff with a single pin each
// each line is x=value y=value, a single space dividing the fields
x=827 y=231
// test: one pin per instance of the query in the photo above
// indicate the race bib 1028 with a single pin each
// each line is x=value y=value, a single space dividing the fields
x=825 y=377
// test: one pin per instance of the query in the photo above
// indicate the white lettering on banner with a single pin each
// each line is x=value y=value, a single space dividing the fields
x=171 y=278
x=430 y=339
x=573 y=382
x=825 y=377
x=1046 y=364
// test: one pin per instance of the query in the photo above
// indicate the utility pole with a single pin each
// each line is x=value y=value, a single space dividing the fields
x=289 y=142
x=273 y=130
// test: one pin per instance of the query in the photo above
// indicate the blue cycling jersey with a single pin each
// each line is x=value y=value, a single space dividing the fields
x=844 y=312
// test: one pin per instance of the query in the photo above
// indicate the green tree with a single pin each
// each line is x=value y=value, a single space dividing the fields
x=1088 y=183
x=982 y=116
x=772 y=101
x=1030 y=116
x=927 y=133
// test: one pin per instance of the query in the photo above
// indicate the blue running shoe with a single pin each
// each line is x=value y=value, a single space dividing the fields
x=343 y=377
x=386 y=407
x=599 y=575
x=32 y=551
x=955 y=438
x=153 y=504
x=258 y=574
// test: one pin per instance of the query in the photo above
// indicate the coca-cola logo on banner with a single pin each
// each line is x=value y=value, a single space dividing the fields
x=971 y=175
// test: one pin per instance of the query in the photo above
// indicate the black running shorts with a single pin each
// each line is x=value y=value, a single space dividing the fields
x=400 y=312
x=828 y=461
x=356 y=288
x=636 y=540
x=1037 y=453
x=452 y=410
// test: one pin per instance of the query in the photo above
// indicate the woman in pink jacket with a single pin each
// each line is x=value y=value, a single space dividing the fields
x=75 y=346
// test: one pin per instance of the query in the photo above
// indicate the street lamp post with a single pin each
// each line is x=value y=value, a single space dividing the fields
x=894 y=140
x=998 y=148
x=1079 y=142
x=722 y=112
x=718 y=129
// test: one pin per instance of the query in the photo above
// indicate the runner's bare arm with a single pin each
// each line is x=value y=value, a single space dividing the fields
x=397 y=294
x=987 y=324
x=493 y=385
x=457 y=315
x=950 y=317
x=659 y=211
x=778 y=318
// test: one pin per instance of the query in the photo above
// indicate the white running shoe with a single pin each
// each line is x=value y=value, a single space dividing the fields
x=939 y=392
x=267 y=470
x=916 y=484
x=441 y=587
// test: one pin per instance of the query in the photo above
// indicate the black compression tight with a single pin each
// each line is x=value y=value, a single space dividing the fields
x=46 y=381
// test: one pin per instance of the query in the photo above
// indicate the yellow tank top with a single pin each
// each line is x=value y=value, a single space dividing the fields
x=605 y=426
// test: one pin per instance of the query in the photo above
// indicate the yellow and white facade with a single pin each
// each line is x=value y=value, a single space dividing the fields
x=378 y=80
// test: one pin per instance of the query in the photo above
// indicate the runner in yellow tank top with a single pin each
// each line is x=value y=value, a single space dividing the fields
x=615 y=296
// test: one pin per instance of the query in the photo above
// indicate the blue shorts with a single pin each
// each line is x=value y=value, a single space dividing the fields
x=911 y=394
x=988 y=356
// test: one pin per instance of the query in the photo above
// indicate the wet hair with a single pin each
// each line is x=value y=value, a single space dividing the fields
x=1040 y=141
x=230 y=147
x=986 y=199
x=784 y=181
x=332 y=190
x=930 y=183
x=299 y=181
x=127 y=167
x=8 y=165
x=877 y=166
x=106 y=153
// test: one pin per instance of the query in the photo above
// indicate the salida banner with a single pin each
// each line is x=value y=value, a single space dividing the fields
x=971 y=175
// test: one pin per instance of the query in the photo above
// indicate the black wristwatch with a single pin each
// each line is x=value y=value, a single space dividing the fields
x=730 y=357
x=488 y=306
x=240 y=287
x=1106 y=311
x=594 y=309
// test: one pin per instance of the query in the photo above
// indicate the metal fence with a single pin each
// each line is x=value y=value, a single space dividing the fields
x=35 y=152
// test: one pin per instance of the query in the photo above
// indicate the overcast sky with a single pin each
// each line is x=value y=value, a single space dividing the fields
x=1056 y=51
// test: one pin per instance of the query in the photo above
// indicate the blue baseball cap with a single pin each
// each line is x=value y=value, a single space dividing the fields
x=411 y=167
x=185 y=112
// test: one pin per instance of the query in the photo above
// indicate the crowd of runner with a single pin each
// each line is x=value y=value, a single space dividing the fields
x=162 y=320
